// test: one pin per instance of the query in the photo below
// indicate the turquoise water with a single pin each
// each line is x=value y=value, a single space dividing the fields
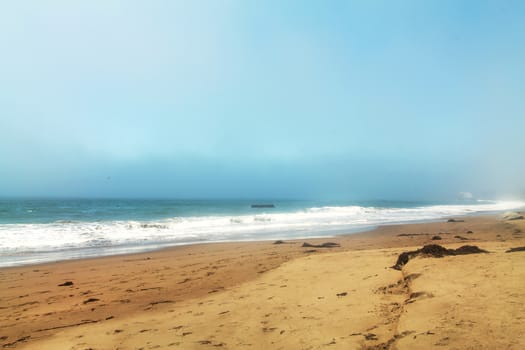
x=38 y=230
x=42 y=211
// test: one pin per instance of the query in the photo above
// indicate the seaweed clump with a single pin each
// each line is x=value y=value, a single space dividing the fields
x=435 y=251
x=324 y=245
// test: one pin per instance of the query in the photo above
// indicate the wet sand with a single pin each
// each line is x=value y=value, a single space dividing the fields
x=260 y=295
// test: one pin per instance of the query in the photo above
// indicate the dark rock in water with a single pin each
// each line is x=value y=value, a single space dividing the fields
x=517 y=249
x=278 y=242
x=258 y=206
x=324 y=245
x=436 y=238
x=66 y=284
x=455 y=220
x=436 y=251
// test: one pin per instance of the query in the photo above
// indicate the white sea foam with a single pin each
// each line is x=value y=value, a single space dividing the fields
x=20 y=242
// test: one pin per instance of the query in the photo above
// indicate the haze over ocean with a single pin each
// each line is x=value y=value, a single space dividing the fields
x=241 y=99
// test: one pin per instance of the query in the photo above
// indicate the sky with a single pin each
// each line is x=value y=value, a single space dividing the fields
x=262 y=99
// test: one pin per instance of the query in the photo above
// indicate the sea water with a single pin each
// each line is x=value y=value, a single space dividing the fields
x=42 y=230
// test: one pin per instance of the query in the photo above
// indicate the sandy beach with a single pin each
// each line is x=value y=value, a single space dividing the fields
x=264 y=175
x=261 y=295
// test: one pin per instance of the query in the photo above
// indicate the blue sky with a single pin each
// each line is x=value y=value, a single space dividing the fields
x=287 y=99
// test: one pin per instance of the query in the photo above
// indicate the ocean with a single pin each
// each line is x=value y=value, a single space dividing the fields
x=44 y=230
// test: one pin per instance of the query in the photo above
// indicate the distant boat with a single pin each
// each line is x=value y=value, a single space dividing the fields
x=258 y=206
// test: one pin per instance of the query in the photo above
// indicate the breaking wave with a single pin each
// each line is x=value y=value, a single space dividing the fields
x=27 y=243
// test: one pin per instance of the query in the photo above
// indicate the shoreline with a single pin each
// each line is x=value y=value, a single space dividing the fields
x=138 y=249
x=127 y=290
